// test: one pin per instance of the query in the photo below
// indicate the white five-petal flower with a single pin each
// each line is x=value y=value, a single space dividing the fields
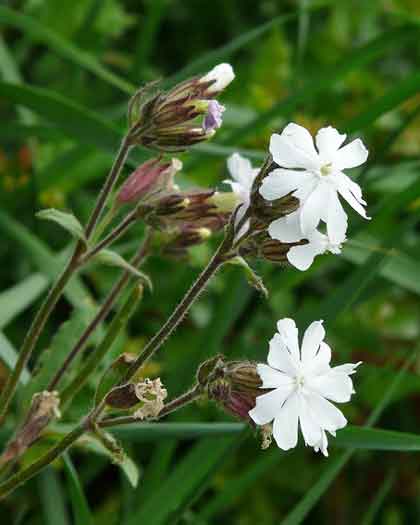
x=302 y=384
x=315 y=176
x=288 y=230
x=243 y=176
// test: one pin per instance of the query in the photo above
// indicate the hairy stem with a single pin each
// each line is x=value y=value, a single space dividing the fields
x=23 y=475
x=112 y=236
x=33 y=335
x=56 y=291
x=109 y=185
x=100 y=316
x=178 y=314
x=172 y=406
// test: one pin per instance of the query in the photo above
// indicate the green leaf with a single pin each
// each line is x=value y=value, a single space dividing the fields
x=377 y=439
x=187 y=480
x=379 y=499
x=66 y=220
x=53 y=503
x=79 y=504
x=326 y=79
x=155 y=431
x=45 y=260
x=253 y=279
x=112 y=258
x=16 y=299
x=57 y=44
x=53 y=357
x=127 y=465
x=404 y=90
x=9 y=357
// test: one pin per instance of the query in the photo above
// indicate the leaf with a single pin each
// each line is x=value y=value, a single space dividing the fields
x=53 y=503
x=155 y=431
x=9 y=357
x=185 y=483
x=79 y=504
x=57 y=44
x=379 y=499
x=53 y=357
x=405 y=89
x=112 y=258
x=45 y=260
x=127 y=465
x=66 y=220
x=326 y=79
x=16 y=299
x=377 y=439
x=253 y=279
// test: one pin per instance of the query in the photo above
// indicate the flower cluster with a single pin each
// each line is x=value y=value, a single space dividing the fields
x=170 y=121
x=312 y=177
x=302 y=385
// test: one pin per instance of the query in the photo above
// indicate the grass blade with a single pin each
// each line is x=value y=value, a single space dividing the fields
x=52 y=498
x=9 y=357
x=80 y=506
x=57 y=44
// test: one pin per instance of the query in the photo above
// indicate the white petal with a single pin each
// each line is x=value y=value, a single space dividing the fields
x=302 y=257
x=285 y=426
x=313 y=208
x=347 y=368
x=222 y=74
x=312 y=338
x=268 y=406
x=352 y=155
x=328 y=140
x=280 y=358
x=289 y=333
x=354 y=203
x=336 y=219
x=273 y=378
x=294 y=148
x=286 y=229
x=322 y=445
x=240 y=169
x=325 y=413
x=281 y=182
x=321 y=362
x=311 y=430
x=351 y=185
x=335 y=386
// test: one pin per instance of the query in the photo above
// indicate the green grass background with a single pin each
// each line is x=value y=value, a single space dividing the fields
x=66 y=70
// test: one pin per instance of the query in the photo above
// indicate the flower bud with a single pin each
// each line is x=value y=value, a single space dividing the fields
x=235 y=385
x=151 y=177
x=169 y=121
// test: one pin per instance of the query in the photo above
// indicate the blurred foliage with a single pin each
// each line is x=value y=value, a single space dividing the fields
x=66 y=69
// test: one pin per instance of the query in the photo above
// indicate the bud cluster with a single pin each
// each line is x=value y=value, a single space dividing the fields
x=170 y=120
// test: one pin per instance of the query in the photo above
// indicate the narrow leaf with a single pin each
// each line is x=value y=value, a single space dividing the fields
x=112 y=258
x=66 y=220
x=79 y=504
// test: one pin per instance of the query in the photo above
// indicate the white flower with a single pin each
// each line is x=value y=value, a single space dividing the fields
x=303 y=384
x=288 y=230
x=316 y=177
x=222 y=74
x=243 y=175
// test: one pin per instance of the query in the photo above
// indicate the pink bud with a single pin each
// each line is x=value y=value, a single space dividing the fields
x=150 y=177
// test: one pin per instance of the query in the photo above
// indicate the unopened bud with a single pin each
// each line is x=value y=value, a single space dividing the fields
x=225 y=202
x=150 y=178
x=169 y=121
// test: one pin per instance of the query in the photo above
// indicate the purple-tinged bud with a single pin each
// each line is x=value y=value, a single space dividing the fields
x=169 y=121
x=213 y=119
x=150 y=178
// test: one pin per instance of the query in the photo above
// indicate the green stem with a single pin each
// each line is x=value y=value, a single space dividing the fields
x=53 y=296
x=95 y=358
x=33 y=335
x=23 y=475
x=177 y=403
x=179 y=313
x=106 y=307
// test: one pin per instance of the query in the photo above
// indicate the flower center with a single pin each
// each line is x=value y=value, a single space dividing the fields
x=300 y=381
x=326 y=169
